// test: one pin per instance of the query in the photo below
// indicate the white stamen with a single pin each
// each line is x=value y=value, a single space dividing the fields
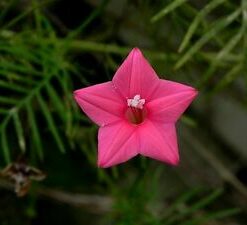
x=136 y=102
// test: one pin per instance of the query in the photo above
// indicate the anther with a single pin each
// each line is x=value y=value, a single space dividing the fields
x=136 y=102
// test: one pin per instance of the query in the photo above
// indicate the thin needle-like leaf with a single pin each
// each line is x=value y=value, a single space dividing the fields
x=51 y=123
x=8 y=100
x=230 y=45
x=37 y=15
x=191 y=30
x=216 y=27
x=17 y=67
x=188 y=121
x=5 y=146
x=221 y=55
x=244 y=24
x=5 y=10
x=23 y=15
x=4 y=111
x=212 y=216
x=205 y=201
x=34 y=131
x=181 y=200
x=19 y=131
x=12 y=86
x=57 y=102
x=70 y=111
x=228 y=78
x=198 y=205
x=89 y=19
x=173 y=5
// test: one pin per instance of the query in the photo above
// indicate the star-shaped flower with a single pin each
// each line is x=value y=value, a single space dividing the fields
x=136 y=112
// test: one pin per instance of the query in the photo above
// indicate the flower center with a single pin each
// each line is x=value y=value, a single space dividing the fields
x=136 y=112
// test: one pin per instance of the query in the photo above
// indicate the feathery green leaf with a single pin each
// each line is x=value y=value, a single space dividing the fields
x=215 y=28
x=51 y=123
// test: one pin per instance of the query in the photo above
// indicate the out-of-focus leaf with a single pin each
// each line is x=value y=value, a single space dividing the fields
x=8 y=100
x=12 y=86
x=51 y=123
x=173 y=5
x=5 y=146
x=57 y=102
x=193 y=26
x=212 y=216
x=215 y=28
x=19 y=131
x=221 y=56
x=228 y=78
x=34 y=131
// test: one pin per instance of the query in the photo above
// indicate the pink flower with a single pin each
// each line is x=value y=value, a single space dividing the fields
x=136 y=112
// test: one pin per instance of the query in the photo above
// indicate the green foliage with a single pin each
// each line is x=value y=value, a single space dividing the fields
x=219 y=41
x=34 y=77
x=169 y=8
x=204 y=44
x=139 y=203
x=36 y=80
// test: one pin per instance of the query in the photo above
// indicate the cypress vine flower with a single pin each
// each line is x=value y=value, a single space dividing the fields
x=136 y=112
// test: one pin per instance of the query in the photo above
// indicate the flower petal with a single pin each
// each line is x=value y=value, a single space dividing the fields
x=159 y=141
x=135 y=76
x=101 y=103
x=169 y=101
x=117 y=143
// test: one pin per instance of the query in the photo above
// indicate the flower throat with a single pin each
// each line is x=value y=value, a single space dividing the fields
x=136 y=112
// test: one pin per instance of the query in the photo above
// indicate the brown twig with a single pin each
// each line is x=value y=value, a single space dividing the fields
x=94 y=203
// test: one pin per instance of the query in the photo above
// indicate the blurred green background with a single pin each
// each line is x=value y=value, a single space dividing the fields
x=50 y=48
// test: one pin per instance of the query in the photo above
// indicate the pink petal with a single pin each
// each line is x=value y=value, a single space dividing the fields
x=101 y=103
x=169 y=101
x=159 y=141
x=135 y=76
x=117 y=143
